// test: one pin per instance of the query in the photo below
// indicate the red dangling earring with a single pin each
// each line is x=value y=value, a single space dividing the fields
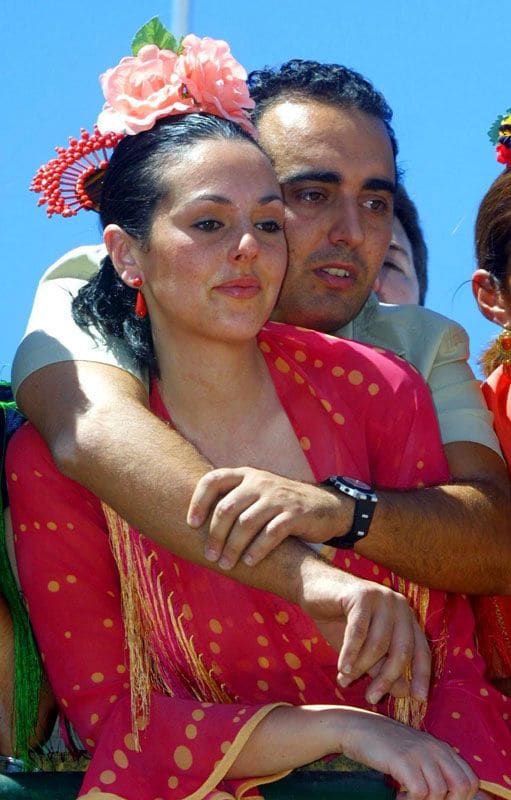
x=140 y=304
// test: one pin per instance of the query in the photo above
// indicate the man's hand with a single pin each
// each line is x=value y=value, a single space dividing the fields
x=373 y=627
x=252 y=511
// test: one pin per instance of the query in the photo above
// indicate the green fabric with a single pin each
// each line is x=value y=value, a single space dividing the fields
x=27 y=665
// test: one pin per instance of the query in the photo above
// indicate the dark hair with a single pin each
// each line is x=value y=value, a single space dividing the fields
x=406 y=212
x=493 y=230
x=493 y=249
x=133 y=188
x=326 y=83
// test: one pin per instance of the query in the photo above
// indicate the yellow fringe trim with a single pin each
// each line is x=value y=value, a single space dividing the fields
x=150 y=619
x=409 y=710
x=493 y=357
x=97 y=794
x=496 y=789
x=134 y=619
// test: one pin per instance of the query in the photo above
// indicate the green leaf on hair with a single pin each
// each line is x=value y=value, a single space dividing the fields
x=493 y=133
x=153 y=32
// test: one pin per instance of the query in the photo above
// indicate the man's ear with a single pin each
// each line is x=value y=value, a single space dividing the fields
x=124 y=251
x=489 y=298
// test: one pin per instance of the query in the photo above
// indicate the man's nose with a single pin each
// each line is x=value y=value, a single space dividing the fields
x=346 y=226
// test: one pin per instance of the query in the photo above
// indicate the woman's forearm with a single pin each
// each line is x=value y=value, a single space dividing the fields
x=287 y=738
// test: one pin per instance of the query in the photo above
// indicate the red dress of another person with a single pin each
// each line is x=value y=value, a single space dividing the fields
x=210 y=656
x=493 y=613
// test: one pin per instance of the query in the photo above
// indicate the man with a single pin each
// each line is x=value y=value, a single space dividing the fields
x=403 y=276
x=335 y=166
x=328 y=133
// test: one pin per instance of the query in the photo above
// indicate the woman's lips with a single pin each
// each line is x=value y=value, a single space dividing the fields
x=242 y=287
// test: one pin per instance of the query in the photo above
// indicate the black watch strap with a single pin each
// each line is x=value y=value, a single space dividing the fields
x=365 y=504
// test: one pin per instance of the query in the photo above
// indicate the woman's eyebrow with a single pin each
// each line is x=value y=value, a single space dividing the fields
x=218 y=198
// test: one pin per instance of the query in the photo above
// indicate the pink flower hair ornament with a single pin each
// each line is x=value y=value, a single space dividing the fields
x=163 y=78
x=500 y=136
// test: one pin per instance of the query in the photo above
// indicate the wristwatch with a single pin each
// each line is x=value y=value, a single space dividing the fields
x=365 y=504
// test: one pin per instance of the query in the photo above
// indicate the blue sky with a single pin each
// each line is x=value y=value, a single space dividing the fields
x=443 y=67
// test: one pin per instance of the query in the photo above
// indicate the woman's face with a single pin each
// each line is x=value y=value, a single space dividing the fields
x=217 y=254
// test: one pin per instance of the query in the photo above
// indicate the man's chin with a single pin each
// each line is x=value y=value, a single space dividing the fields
x=321 y=317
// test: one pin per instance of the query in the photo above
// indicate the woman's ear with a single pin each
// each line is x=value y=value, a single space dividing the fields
x=123 y=249
x=489 y=298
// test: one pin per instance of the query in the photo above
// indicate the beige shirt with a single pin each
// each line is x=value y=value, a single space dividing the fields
x=436 y=346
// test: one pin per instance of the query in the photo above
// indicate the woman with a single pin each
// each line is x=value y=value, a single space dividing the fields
x=193 y=220
x=491 y=285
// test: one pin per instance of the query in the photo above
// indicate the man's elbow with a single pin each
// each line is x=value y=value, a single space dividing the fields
x=77 y=443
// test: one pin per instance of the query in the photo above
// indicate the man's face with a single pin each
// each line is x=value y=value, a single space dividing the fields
x=397 y=280
x=336 y=169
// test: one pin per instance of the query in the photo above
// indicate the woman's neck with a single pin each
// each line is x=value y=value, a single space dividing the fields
x=221 y=397
x=209 y=382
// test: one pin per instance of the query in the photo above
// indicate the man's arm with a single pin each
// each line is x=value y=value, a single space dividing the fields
x=453 y=537
x=95 y=420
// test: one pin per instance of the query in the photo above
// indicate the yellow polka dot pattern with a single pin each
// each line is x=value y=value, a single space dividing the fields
x=183 y=757
x=215 y=626
x=130 y=742
x=108 y=777
x=355 y=377
x=191 y=731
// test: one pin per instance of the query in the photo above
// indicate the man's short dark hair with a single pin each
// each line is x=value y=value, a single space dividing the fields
x=327 y=83
x=406 y=212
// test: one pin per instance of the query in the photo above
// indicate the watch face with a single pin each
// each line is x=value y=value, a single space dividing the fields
x=356 y=484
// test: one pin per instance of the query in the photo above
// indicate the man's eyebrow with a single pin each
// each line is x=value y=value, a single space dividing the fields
x=398 y=247
x=380 y=185
x=320 y=176
x=329 y=176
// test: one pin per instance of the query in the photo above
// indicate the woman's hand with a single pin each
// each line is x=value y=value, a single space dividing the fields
x=423 y=766
x=371 y=626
